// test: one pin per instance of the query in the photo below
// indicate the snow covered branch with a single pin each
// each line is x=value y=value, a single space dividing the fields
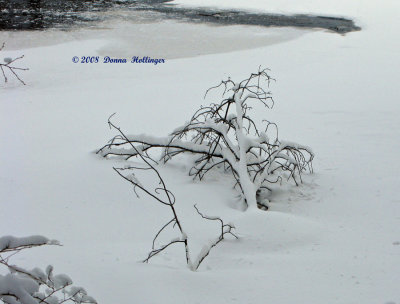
x=225 y=229
x=164 y=196
x=224 y=136
x=8 y=66
x=22 y=286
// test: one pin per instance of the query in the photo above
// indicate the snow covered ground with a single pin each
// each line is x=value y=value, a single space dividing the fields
x=334 y=239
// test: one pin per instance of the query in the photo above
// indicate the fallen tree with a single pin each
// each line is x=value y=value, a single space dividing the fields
x=224 y=136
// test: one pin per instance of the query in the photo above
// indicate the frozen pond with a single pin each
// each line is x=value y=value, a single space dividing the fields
x=66 y=14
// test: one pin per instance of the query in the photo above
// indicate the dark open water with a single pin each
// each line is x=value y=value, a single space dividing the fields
x=66 y=14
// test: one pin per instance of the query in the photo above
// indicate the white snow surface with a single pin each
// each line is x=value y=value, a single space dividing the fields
x=335 y=239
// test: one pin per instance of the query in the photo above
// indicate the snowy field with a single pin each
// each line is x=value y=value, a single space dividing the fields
x=334 y=239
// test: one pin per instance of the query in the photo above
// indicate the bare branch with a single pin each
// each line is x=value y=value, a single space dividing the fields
x=225 y=229
x=8 y=66
x=168 y=199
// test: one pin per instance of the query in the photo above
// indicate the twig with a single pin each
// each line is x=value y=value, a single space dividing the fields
x=8 y=66
x=225 y=229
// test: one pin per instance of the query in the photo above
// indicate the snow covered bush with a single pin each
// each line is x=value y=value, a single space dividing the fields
x=7 y=65
x=22 y=286
x=162 y=195
x=224 y=136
